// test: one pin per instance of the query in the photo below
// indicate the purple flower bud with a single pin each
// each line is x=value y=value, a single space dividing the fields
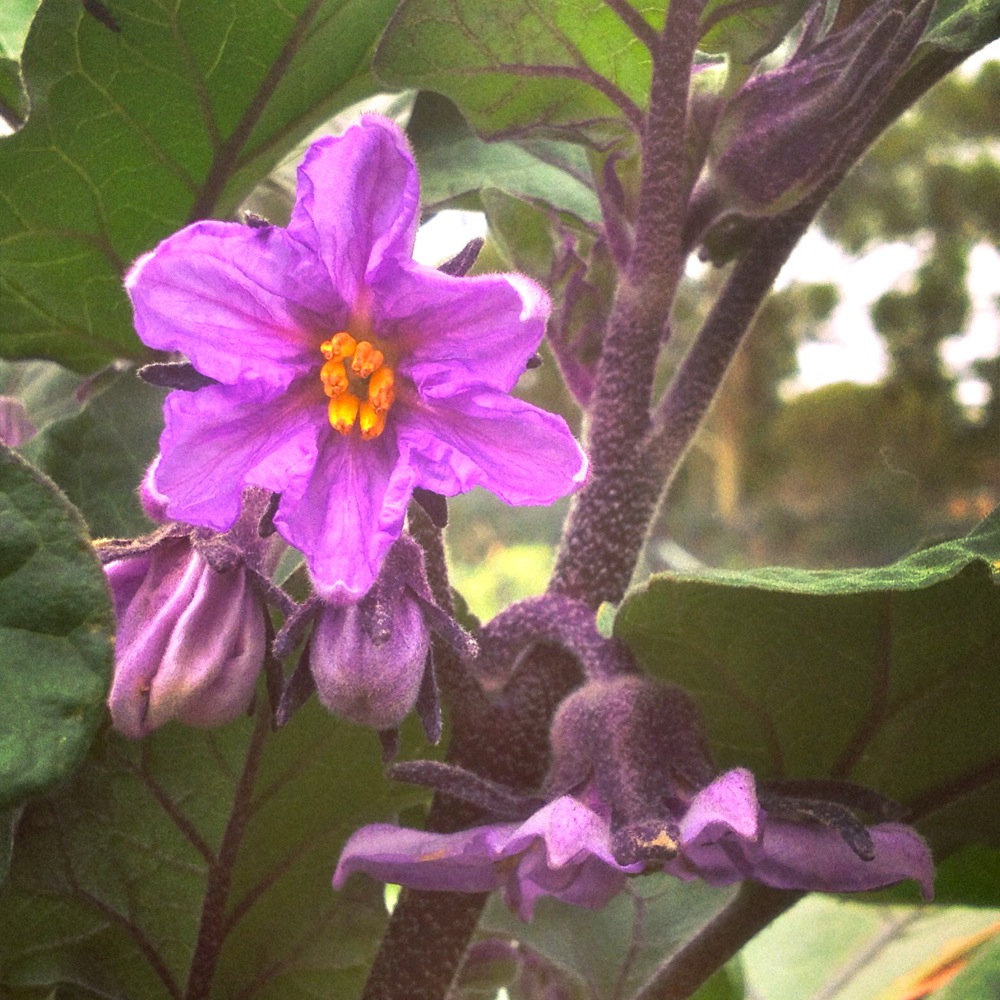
x=787 y=130
x=190 y=642
x=15 y=426
x=368 y=659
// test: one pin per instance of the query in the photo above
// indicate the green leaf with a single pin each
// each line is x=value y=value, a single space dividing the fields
x=613 y=951
x=747 y=35
x=980 y=979
x=55 y=635
x=99 y=455
x=847 y=951
x=15 y=20
x=133 y=133
x=212 y=849
x=964 y=25
x=538 y=67
x=887 y=676
x=454 y=162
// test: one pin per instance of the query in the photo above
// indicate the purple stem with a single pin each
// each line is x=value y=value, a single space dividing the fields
x=749 y=913
x=606 y=527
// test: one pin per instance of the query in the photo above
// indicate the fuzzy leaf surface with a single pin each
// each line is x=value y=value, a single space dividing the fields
x=201 y=857
x=888 y=676
x=55 y=635
x=133 y=133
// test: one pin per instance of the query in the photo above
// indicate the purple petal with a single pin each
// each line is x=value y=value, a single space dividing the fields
x=455 y=333
x=591 y=882
x=806 y=856
x=219 y=439
x=455 y=862
x=347 y=513
x=569 y=829
x=239 y=302
x=357 y=203
x=729 y=803
x=486 y=438
x=800 y=855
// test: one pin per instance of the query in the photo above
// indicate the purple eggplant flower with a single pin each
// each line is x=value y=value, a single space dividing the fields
x=347 y=374
x=562 y=850
x=191 y=639
x=565 y=850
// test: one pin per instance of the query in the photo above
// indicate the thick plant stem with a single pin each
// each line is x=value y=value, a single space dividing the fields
x=696 y=382
x=748 y=914
x=605 y=530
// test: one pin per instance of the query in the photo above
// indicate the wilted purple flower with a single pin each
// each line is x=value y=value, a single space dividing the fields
x=562 y=850
x=565 y=850
x=348 y=374
x=190 y=639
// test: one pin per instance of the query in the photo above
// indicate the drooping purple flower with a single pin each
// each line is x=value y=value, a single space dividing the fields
x=562 y=850
x=190 y=638
x=565 y=850
x=348 y=375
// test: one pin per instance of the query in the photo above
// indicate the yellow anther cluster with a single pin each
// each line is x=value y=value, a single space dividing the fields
x=343 y=383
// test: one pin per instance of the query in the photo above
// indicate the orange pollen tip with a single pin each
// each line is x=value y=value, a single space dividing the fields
x=340 y=345
x=382 y=389
x=367 y=359
x=333 y=375
x=371 y=422
x=343 y=411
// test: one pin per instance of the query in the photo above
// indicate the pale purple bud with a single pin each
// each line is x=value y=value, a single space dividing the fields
x=15 y=426
x=190 y=643
x=368 y=659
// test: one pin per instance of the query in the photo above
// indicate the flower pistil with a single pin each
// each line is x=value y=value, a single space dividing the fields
x=345 y=384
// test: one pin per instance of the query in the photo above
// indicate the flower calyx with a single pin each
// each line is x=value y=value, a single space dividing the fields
x=370 y=662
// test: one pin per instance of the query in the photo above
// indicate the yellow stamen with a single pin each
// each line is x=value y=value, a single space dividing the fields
x=340 y=345
x=343 y=411
x=382 y=389
x=333 y=375
x=367 y=359
x=371 y=422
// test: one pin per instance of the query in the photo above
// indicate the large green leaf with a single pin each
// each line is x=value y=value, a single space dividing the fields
x=964 y=25
x=55 y=634
x=747 y=32
x=200 y=849
x=887 y=676
x=613 y=951
x=134 y=132
x=99 y=455
x=524 y=66
x=834 y=950
x=454 y=162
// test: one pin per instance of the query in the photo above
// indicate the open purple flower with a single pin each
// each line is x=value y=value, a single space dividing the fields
x=566 y=849
x=348 y=374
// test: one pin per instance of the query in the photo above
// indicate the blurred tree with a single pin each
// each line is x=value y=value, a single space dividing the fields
x=852 y=474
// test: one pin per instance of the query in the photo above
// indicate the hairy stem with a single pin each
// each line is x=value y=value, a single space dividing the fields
x=748 y=914
x=606 y=529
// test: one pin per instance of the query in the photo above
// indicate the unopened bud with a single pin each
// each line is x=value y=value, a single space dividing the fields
x=190 y=640
x=368 y=659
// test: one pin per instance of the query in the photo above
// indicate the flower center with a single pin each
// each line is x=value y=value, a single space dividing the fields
x=355 y=369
